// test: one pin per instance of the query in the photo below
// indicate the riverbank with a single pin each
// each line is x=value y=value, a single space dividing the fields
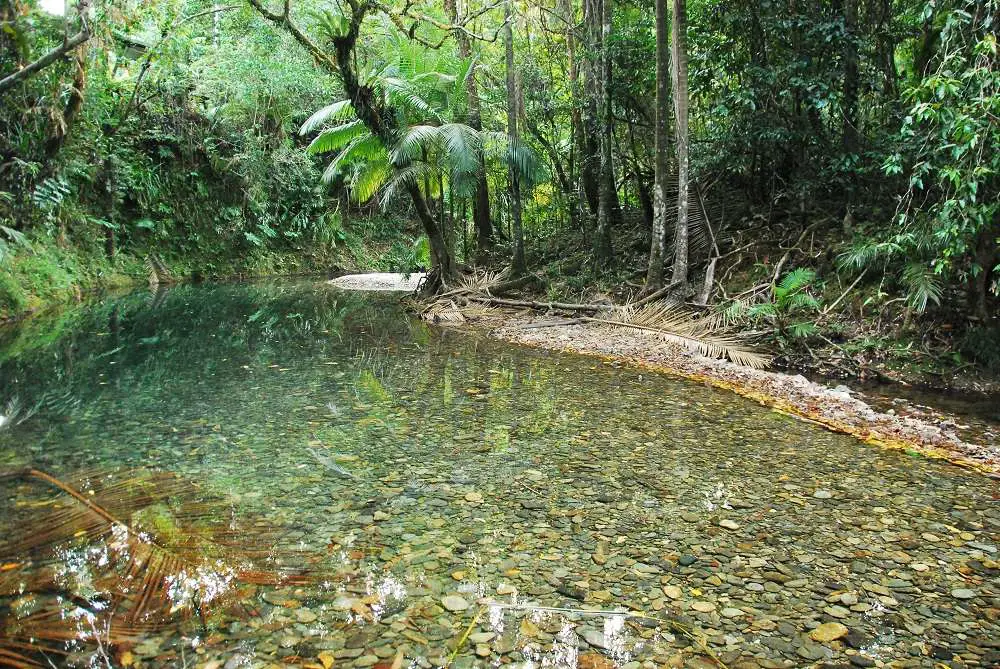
x=44 y=272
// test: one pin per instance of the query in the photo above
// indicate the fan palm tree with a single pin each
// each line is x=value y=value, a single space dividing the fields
x=430 y=152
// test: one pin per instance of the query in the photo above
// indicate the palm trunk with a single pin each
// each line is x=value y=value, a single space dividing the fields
x=518 y=265
x=680 y=81
x=658 y=243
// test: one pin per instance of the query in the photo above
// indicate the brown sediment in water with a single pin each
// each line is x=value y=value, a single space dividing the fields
x=795 y=396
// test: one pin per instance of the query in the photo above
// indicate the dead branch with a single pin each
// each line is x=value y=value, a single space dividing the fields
x=551 y=324
x=788 y=253
x=844 y=294
x=52 y=56
x=550 y=306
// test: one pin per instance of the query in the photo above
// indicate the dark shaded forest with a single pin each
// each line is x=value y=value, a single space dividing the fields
x=822 y=174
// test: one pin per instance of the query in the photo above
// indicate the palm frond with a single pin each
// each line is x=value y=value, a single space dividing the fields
x=922 y=287
x=463 y=145
x=369 y=179
x=167 y=549
x=400 y=93
x=673 y=324
x=338 y=111
x=413 y=142
x=363 y=148
x=337 y=137
x=796 y=280
x=413 y=174
x=484 y=280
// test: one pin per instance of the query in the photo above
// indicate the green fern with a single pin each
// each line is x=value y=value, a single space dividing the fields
x=922 y=287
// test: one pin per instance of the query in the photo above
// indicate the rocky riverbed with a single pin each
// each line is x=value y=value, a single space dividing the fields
x=472 y=503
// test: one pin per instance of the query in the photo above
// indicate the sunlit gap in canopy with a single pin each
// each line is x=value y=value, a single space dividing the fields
x=57 y=7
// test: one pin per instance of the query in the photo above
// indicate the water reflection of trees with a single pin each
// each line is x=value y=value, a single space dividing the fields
x=141 y=342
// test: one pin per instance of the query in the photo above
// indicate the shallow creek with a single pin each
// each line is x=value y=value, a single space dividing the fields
x=464 y=503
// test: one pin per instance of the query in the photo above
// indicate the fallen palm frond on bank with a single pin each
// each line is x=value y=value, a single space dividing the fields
x=664 y=319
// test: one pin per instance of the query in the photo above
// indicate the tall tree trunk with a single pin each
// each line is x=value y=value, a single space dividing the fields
x=886 y=48
x=606 y=188
x=370 y=110
x=850 y=90
x=481 y=204
x=576 y=121
x=661 y=161
x=680 y=81
x=986 y=254
x=518 y=266
x=590 y=156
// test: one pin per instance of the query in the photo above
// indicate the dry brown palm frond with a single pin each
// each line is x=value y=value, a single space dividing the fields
x=671 y=323
x=154 y=547
x=443 y=310
x=478 y=282
x=446 y=310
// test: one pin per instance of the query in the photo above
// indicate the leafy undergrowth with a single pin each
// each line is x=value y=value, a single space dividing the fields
x=819 y=316
x=42 y=271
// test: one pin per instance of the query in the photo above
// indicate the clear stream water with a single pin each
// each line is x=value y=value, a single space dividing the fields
x=448 y=500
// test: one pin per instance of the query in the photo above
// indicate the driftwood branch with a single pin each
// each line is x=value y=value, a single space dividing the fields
x=514 y=284
x=550 y=306
x=57 y=53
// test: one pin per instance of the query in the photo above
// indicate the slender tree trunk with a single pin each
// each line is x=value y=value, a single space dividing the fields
x=518 y=266
x=658 y=241
x=371 y=111
x=680 y=81
x=886 y=47
x=590 y=157
x=440 y=257
x=850 y=91
x=576 y=121
x=481 y=203
x=607 y=191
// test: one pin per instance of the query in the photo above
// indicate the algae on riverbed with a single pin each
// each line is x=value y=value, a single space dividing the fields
x=544 y=483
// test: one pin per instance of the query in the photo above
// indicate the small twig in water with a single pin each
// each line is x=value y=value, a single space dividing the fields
x=465 y=636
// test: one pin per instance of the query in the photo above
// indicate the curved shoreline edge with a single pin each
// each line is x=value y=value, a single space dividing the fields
x=791 y=395
x=794 y=396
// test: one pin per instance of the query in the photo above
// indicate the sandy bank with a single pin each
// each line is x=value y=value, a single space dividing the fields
x=380 y=281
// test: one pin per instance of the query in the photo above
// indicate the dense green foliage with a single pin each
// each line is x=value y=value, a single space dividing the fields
x=221 y=137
